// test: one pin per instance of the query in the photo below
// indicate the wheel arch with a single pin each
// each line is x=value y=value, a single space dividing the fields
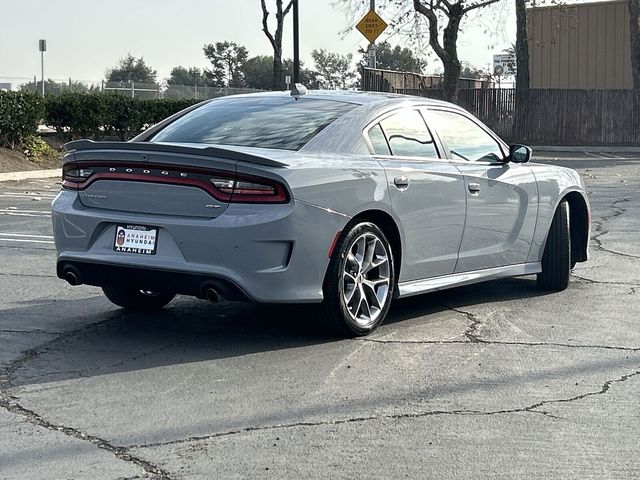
x=389 y=227
x=579 y=223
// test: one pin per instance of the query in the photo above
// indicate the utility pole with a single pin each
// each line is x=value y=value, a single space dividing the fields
x=296 y=44
x=372 y=45
x=43 y=48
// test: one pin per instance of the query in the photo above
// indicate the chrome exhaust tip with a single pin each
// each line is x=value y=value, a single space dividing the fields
x=212 y=294
x=71 y=277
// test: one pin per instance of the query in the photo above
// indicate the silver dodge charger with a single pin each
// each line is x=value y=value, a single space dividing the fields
x=346 y=199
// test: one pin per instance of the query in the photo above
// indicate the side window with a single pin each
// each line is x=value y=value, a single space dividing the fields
x=408 y=135
x=465 y=139
x=379 y=143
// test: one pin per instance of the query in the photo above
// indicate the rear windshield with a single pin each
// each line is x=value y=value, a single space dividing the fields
x=268 y=122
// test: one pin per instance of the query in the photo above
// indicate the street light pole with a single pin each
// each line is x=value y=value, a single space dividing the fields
x=296 y=45
x=42 y=44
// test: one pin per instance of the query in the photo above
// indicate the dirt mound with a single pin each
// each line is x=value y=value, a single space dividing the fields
x=17 y=161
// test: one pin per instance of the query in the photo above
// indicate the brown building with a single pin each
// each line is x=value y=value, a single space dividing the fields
x=582 y=46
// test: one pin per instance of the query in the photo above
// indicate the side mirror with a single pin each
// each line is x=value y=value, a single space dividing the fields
x=520 y=153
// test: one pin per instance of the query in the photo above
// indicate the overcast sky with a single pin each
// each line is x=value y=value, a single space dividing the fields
x=85 y=37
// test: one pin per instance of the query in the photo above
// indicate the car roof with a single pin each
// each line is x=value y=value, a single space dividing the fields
x=352 y=96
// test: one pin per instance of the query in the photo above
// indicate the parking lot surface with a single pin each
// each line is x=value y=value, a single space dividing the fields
x=495 y=380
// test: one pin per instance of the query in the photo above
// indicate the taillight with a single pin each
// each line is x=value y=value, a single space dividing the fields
x=251 y=190
x=72 y=177
x=223 y=186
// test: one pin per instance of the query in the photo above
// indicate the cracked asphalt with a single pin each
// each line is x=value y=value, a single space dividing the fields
x=495 y=380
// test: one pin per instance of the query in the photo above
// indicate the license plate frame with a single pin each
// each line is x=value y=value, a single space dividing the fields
x=137 y=239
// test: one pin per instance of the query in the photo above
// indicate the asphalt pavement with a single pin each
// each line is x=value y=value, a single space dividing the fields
x=490 y=381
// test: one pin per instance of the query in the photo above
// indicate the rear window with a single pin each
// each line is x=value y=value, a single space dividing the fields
x=268 y=122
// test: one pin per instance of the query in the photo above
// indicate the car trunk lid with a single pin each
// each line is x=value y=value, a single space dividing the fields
x=161 y=179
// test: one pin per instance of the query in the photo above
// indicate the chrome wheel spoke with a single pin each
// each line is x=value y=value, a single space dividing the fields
x=372 y=297
x=349 y=292
x=364 y=305
x=353 y=261
x=374 y=284
x=370 y=251
x=377 y=262
x=353 y=304
x=349 y=277
x=360 y=247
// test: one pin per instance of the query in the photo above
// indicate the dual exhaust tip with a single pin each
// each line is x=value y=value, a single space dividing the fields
x=209 y=292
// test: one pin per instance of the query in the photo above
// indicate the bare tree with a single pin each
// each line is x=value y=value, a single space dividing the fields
x=634 y=17
x=275 y=39
x=447 y=49
x=522 y=66
x=443 y=19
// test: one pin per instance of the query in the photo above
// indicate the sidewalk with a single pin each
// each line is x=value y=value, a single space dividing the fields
x=29 y=174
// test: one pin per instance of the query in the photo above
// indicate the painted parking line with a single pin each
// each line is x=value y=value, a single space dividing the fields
x=14 y=237
x=16 y=213
x=608 y=156
x=25 y=240
x=26 y=235
x=20 y=210
x=25 y=195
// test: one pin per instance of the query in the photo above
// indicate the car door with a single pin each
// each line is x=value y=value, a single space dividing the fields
x=427 y=193
x=502 y=197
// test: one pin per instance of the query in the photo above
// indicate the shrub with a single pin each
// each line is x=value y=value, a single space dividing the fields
x=76 y=115
x=20 y=114
x=94 y=115
x=37 y=149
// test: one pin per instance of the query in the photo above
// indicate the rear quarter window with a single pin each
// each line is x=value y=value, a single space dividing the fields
x=266 y=122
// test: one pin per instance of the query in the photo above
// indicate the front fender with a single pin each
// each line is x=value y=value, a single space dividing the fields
x=554 y=185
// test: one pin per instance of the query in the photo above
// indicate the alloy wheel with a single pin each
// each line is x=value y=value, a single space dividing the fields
x=365 y=280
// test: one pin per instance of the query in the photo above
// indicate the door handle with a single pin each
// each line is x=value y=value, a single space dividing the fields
x=401 y=183
x=474 y=188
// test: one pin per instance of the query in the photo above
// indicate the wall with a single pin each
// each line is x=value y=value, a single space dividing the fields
x=582 y=46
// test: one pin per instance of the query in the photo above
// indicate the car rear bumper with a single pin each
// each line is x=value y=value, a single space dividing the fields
x=264 y=253
x=184 y=283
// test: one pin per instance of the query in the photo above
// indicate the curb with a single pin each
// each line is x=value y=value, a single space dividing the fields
x=30 y=174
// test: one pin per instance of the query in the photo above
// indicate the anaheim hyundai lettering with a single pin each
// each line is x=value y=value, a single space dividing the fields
x=346 y=199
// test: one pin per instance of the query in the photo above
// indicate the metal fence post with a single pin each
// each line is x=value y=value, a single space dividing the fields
x=133 y=90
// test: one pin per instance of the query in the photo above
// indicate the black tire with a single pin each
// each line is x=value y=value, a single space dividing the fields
x=556 y=259
x=336 y=288
x=134 y=299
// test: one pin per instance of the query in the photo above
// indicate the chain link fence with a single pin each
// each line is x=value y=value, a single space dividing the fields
x=130 y=89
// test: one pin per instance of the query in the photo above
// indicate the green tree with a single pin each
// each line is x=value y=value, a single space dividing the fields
x=187 y=76
x=275 y=38
x=131 y=69
x=258 y=72
x=53 y=87
x=227 y=60
x=395 y=58
x=468 y=71
x=333 y=71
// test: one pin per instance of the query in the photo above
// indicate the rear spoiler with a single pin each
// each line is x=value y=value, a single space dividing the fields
x=80 y=145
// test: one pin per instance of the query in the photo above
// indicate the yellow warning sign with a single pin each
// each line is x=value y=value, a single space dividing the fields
x=371 y=26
